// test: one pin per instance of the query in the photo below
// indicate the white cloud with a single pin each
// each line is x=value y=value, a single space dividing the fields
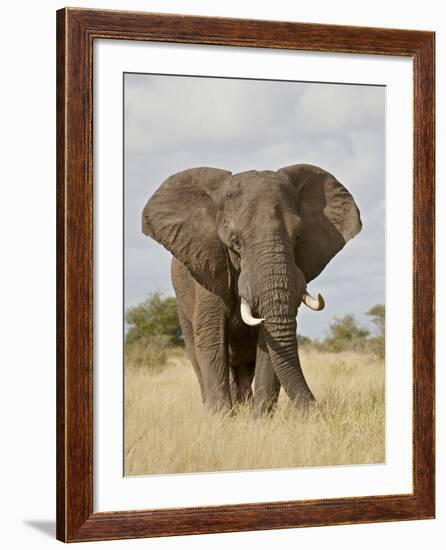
x=327 y=108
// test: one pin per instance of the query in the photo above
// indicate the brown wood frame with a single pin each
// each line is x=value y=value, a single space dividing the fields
x=76 y=31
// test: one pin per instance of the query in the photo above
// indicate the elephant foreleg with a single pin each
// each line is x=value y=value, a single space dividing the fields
x=186 y=328
x=212 y=356
x=266 y=383
x=212 y=360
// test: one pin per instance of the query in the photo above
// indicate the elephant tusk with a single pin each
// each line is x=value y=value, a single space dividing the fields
x=245 y=310
x=316 y=304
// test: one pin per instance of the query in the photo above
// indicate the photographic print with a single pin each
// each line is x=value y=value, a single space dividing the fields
x=245 y=274
x=254 y=274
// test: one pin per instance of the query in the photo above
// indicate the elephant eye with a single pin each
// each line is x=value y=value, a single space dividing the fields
x=235 y=243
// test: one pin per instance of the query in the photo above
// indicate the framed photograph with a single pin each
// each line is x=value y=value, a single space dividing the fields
x=245 y=275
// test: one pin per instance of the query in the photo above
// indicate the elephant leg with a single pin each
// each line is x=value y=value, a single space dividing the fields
x=213 y=363
x=266 y=383
x=233 y=387
x=212 y=354
x=243 y=375
x=188 y=335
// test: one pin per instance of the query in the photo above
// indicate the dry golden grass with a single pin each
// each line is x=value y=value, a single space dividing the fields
x=168 y=431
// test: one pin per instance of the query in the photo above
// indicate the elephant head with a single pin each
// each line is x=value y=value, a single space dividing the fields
x=257 y=239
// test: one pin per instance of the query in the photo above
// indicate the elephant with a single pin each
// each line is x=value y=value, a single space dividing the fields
x=245 y=246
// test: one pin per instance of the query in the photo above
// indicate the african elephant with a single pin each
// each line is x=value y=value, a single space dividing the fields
x=245 y=247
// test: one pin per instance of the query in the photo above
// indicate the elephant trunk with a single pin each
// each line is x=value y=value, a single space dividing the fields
x=281 y=341
x=277 y=286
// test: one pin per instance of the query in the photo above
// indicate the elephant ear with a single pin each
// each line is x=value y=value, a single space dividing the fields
x=330 y=217
x=181 y=215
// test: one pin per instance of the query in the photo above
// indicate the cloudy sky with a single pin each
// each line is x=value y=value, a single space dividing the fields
x=175 y=122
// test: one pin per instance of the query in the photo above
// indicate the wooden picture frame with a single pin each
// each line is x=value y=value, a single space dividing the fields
x=76 y=31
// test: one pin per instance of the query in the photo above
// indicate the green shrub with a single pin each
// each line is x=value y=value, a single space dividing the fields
x=378 y=314
x=154 y=330
x=378 y=343
x=375 y=346
x=156 y=317
x=345 y=334
x=304 y=341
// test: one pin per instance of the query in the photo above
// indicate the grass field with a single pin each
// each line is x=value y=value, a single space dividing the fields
x=168 y=431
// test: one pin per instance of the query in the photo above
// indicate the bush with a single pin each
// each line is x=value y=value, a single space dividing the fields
x=304 y=341
x=154 y=331
x=375 y=346
x=346 y=334
x=378 y=343
x=154 y=319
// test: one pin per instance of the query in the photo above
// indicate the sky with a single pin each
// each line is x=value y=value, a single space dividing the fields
x=172 y=123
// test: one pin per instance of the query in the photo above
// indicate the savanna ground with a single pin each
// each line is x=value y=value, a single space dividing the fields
x=167 y=430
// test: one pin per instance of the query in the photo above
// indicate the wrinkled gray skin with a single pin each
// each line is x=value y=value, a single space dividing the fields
x=261 y=236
